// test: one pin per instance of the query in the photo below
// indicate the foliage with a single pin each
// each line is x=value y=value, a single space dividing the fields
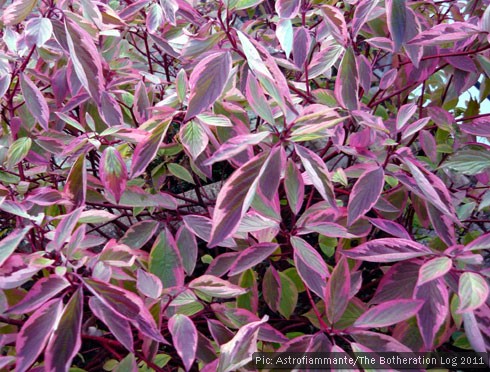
x=183 y=182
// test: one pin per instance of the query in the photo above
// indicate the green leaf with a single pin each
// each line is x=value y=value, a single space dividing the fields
x=165 y=261
x=180 y=172
x=289 y=296
x=18 y=151
x=469 y=162
x=472 y=292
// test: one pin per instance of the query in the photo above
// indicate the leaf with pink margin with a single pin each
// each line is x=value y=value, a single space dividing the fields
x=337 y=292
x=76 y=183
x=387 y=250
x=170 y=8
x=482 y=242
x=477 y=127
x=318 y=174
x=335 y=23
x=207 y=82
x=36 y=332
x=474 y=333
x=141 y=103
x=146 y=150
x=216 y=287
x=113 y=172
x=397 y=21
x=271 y=288
x=116 y=324
x=127 y=305
x=379 y=342
x=434 y=311
x=165 y=260
x=184 y=336
x=86 y=59
x=390 y=227
x=221 y=264
x=252 y=256
x=194 y=138
x=365 y=193
x=445 y=33
x=35 y=101
x=65 y=227
x=201 y=227
x=330 y=229
x=434 y=269
x=236 y=145
x=472 y=292
x=347 y=82
x=310 y=265
x=234 y=199
x=301 y=46
x=148 y=284
x=110 y=110
x=405 y=113
x=271 y=173
x=294 y=187
x=42 y=291
x=388 y=79
x=238 y=351
x=187 y=245
x=154 y=18
x=138 y=234
x=257 y=99
x=17 y=11
x=9 y=244
x=362 y=11
x=388 y=313
x=219 y=332
x=66 y=340
x=287 y=8
x=442 y=225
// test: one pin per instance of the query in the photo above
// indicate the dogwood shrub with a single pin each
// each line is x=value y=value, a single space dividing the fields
x=186 y=182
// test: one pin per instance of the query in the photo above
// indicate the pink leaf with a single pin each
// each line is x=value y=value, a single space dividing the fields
x=216 y=287
x=301 y=46
x=184 y=336
x=65 y=227
x=287 y=8
x=110 y=110
x=398 y=282
x=113 y=172
x=201 y=226
x=294 y=187
x=63 y=346
x=432 y=314
x=35 y=333
x=362 y=11
x=405 y=113
x=148 y=284
x=10 y=243
x=252 y=256
x=365 y=193
x=86 y=59
x=388 y=313
x=335 y=23
x=42 y=291
x=35 y=102
x=310 y=265
x=390 y=227
x=207 y=82
x=387 y=250
x=257 y=100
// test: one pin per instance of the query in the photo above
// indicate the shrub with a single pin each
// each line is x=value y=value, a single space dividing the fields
x=184 y=182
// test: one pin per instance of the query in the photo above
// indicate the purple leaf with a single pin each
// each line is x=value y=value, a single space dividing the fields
x=405 y=113
x=271 y=288
x=116 y=324
x=252 y=256
x=337 y=292
x=42 y=291
x=127 y=305
x=390 y=227
x=184 y=336
x=76 y=183
x=473 y=332
x=148 y=284
x=238 y=351
x=85 y=58
x=365 y=193
x=207 y=82
x=432 y=314
x=347 y=82
x=472 y=292
x=310 y=265
x=165 y=261
x=388 y=79
x=294 y=187
x=220 y=333
x=287 y=8
x=379 y=342
x=65 y=227
x=35 y=101
x=397 y=21
x=113 y=172
x=187 y=245
x=388 y=313
x=110 y=110
x=201 y=226
x=434 y=269
x=66 y=340
x=335 y=24
x=234 y=199
x=362 y=11
x=318 y=173
x=301 y=46
x=216 y=287
x=10 y=243
x=36 y=332
x=477 y=127
x=139 y=233
x=387 y=250
x=146 y=150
